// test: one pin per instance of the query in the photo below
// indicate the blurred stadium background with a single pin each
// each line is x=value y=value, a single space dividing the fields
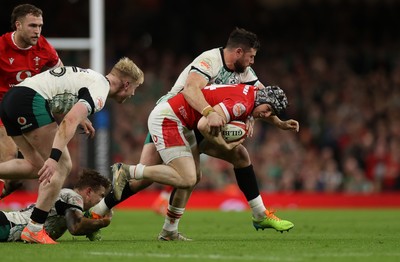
x=338 y=61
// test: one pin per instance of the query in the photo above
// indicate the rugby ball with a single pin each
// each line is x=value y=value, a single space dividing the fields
x=234 y=131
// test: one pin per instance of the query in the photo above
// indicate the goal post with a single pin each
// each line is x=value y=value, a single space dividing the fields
x=94 y=43
x=97 y=152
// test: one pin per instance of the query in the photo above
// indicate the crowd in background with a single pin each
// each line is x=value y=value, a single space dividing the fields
x=338 y=62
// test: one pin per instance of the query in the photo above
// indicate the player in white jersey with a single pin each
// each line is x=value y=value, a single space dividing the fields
x=66 y=214
x=28 y=111
x=228 y=65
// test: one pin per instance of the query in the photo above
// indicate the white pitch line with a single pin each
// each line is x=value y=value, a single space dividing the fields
x=192 y=256
x=299 y=257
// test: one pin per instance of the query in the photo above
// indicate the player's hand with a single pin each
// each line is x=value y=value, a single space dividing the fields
x=216 y=122
x=290 y=124
x=106 y=221
x=48 y=170
x=250 y=126
x=87 y=128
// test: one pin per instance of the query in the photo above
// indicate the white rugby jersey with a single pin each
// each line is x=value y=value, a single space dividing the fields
x=64 y=86
x=212 y=66
x=55 y=224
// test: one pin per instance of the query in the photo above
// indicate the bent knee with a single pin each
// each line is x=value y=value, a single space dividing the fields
x=189 y=182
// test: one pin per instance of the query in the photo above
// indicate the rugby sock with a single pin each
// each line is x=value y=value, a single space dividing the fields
x=38 y=217
x=136 y=172
x=247 y=182
x=172 y=218
x=33 y=226
x=110 y=200
x=257 y=208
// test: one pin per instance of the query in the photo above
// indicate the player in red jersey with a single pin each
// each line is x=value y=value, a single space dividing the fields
x=171 y=125
x=23 y=53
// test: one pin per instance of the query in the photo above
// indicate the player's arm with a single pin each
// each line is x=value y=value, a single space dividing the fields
x=204 y=129
x=193 y=95
x=276 y=121
x=65 y=132
x=79 y=225
x=290 y=124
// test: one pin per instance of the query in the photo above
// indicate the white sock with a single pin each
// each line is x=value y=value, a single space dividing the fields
x=257 y=208
x=172 y=218
x=136 y=172
x=100 y=208
x=34 y=227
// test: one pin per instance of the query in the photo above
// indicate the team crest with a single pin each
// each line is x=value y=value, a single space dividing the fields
x=21 y=120
x=238 y=109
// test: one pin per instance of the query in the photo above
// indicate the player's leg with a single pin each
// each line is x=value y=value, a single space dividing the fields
x=42 y=140
x=8 y=151
x=149 y=156
x=247 y=182
x=179 y=199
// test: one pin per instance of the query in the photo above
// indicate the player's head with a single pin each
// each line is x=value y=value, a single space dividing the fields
x=27 y=21
x=92 y=186
x=245 y=44
x=129 y=75
x=273 y=96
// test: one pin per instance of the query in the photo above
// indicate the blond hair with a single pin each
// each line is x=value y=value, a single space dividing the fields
x=125 y=67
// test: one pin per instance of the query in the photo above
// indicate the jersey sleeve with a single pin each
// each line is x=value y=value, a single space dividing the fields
x=69 y=199
x=207 y=64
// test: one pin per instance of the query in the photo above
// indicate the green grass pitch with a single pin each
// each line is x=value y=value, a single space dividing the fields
x=319 y=235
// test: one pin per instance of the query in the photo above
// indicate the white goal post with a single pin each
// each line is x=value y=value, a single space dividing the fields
x=100 y=154
x=94 y=43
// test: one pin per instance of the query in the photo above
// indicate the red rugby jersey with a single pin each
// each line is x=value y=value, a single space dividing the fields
x=16 y=64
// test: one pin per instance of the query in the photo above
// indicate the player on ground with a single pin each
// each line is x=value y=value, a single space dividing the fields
x=66 y=214
x=23 y=53
x=27 y=112
x=228 y=65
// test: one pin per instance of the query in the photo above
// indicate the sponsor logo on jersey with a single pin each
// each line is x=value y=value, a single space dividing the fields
x=205 y=64
x=155 y=139
x=21 y=75
x=21 y=120
x=99 y=102
x=238 y=109
x=183 y=112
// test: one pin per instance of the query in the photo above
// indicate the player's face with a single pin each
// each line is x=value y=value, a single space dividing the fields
x=128 y=90
x=245 y=60
x=262 y=111
x=93 y=197
x=28 y=30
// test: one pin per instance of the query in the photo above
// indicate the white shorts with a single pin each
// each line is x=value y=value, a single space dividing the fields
x=170 y=137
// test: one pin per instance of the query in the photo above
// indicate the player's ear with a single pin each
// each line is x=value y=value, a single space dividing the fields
x=239 y=51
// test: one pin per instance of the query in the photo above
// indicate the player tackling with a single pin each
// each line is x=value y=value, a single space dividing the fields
x=172 y=125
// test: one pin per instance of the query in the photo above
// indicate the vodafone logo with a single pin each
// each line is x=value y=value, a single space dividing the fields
x=155 y=139
x=21 y=120
x=21 y=75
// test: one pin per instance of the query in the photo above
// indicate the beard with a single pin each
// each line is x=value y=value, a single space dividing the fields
x=239 y=68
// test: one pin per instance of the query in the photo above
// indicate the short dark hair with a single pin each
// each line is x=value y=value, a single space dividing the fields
x=240 y=37
x=91 y=178
x=23 y=10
